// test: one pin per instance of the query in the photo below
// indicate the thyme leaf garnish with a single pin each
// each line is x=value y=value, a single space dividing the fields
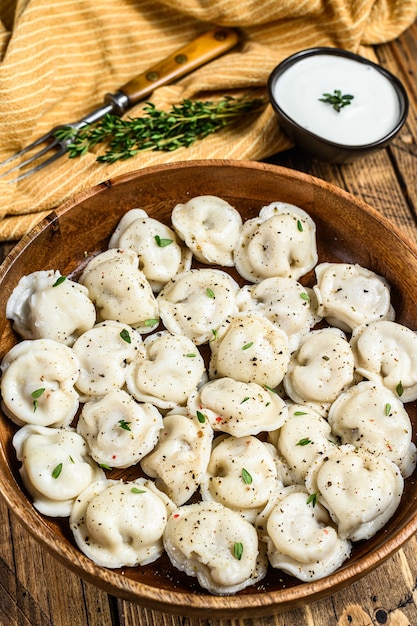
x=337 y=100
x=238 y=550
x=246 y=477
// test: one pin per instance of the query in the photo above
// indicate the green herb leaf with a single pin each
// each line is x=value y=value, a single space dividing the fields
x=400 y=389
x=387 y=409
x=137 y=490
x=246 y=477
x=162 y=243
x=247 y=345
x=125 y=335
x=151 y=322
x=125 y=425
x=210 y=293
x=337 y=100
x=59 y=281
x=300 y=226
x=238 y=550
x=245 y=399
x=105 y=466
x=312 y=498
x=38 y=392
x=201 y=417
x=300 y=413
x=304 y=442
x=305 y=296
x=57 y=471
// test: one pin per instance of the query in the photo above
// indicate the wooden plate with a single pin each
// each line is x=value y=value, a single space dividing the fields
x=348 y=231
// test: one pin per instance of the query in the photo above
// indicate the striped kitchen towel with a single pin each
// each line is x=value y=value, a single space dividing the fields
x=58 y=59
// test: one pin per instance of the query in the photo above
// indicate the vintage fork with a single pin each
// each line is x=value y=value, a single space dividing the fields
x=196 y=53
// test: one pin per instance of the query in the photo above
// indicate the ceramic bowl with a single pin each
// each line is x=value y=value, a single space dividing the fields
x=347 y=231
x=328 y=142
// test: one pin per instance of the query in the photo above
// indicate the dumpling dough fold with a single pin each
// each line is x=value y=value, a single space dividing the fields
x=215 y=544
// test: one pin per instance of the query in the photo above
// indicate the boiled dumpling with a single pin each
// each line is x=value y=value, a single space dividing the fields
x=350 y=295
x=370 y=416
x=37 y=384
x=168 y=372
x=120 y=290
x=386 y=352
x=360 y=491
x=210 y=228
x=118 y=524
x=304 y=435
x=250 y=348
x=301 y=538
x=118 y=430
x=104 y=352
x=285 y=302
x=195 y=303
x=161 y=256
x=215 y=544
x=241 y=474
x=181 y=455
x=56 y=467
x=280 y=242
x=47 y=305
x=238 y=408
x=321 y=368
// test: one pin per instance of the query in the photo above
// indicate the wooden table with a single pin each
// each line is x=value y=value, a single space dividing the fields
x=37 y=590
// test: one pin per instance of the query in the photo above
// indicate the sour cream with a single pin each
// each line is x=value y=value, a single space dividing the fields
x=374 y=110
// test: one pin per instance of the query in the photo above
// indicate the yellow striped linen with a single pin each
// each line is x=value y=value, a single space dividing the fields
x=58 y=59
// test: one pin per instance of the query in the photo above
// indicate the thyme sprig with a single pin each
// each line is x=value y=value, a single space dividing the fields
x=337 y=100
x=157 y=130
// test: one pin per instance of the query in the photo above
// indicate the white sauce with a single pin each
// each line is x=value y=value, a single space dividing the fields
x=372 y=114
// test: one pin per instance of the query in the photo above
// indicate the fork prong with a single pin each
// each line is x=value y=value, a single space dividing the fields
x=54 y=157
x=29 y=160
x=26 y=149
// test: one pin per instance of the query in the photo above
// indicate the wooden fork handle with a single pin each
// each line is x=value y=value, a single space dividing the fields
x=205 y=48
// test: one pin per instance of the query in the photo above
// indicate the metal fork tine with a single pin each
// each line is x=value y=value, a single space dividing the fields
x=51 y=159
x=29 y=160
x=23 y=151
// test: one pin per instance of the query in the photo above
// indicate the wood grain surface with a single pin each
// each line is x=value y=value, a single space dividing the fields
x=36 y=590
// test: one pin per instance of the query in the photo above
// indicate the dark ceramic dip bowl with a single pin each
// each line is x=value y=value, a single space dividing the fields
x=321 y=147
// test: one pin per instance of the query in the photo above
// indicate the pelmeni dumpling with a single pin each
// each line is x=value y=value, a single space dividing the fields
x=161 y=256
x=56 y=467
x=181 y=455
x=386 y=352
x=304 y=435
x=241 y=474
x=118 y=524
x=285 y=302
x=301 y=538
x=37 y=383
x=349 y=295
x=370 y=416
x=215 y=544
x=361 y=491
x=280 y=242
x=104 y=352
x=210 y=228
x=195 y=303
x=120 y=290
x=118 y=430
x=47 y=305
x=321 y=368
x=250 y=348
x=168 y=372
x=238 y=408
